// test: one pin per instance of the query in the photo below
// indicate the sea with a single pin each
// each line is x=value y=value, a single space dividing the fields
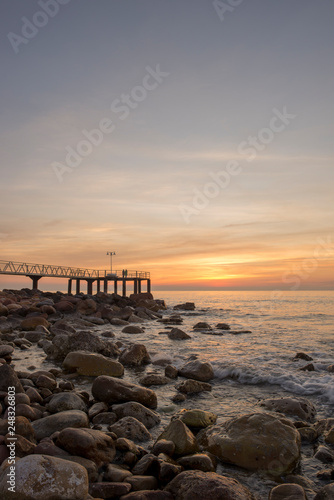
x=256 y=364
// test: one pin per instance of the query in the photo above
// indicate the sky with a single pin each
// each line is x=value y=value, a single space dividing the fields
x=194 y=138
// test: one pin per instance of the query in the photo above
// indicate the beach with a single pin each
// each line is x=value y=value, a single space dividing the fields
x=226 y=355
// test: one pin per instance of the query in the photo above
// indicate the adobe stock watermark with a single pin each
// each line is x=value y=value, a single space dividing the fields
x=225 y=7
x=11 y=439
x=249 y=148
x=30 y=27
x=122 y=107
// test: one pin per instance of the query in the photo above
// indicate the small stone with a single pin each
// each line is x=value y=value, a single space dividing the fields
x=193 y=386
x=146 y=416
x=132 y=329
x=197 y=370
x=113 y=390
x=182 y=437
x=324 y=454
x=153 y=379
x=177 y=334
x=287 y=491
x=171 y=371
x=164 y=446
x=130 y=428
x=198 y=461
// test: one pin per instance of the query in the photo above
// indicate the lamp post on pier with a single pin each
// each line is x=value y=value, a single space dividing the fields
x=111 y=254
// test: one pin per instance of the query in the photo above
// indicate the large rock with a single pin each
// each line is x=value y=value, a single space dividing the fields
x=197 y=485
x=92 y=364
x=187 y=306
x=88 y=443
x=146 y=416
x=33 y=322
x=177 y=334
x=191 y=386
x=132 y=329
x=86 y=307
x=196 y=418
x=3 y=310
x=296 y=407
x=288 y=491
x=22 y=427
x=258 y=441
x=112 y=390
x=135 y=355
x=38 y=477
x=197 y=370
x=8 y=378
x=64 y=401
x=46 y=426
x=184 y=440
x=130 y=428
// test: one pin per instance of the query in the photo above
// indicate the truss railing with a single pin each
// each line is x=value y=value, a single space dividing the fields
x=26 y=269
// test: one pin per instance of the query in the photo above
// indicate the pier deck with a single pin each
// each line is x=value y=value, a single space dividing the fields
x=37 y=271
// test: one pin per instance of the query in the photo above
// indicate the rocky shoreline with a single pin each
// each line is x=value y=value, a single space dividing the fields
x=108 y=442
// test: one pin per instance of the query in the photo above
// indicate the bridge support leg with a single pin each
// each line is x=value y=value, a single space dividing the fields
x=148 y=286
x=115 y=287
x=90 y=287
x=69 y=288
x=77 y=291
x=124 y=288
x=35 y=280
x=135 y=286
x=105 y=286
x=98 y=286
x=139 y=286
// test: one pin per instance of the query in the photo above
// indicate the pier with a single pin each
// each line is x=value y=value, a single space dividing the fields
x=75 y=274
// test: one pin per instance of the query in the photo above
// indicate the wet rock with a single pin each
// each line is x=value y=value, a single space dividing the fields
x=197 y=485
x=130 y=428
x=46 y=382
x=6 y=350
x=88 y=443
x=177 y=334
x=330 y=368
x=296 y=407
x=33 y=322
x=223 y=326
x=308 y=368
x=187 y=306
x=97 y=408
x=308 y=434
x=40 y=476
x=64 y=401
x=132 y=329
x=92 y=364
x=81 y=341
x=164 y=446
x=193 y=386
x=287 y=492
x=116 y=473
x=146 y=416
x=198 y=461
x=182 y=437
x=326 y=493
x=27 y=411
x=256 y=441
x=153 y=379
x=135 y=355
x=197 y=370
x=86 y=307
x=202 y=325
x=8 y=378
x=178 y=398
x=175 y=319
x=64 y=306
x=34 y=395
x=302 y=355
x=112 y=390
x=139 y=483
x=46 y=426
x=33 y=336
x=324 y=454
x=196 y=418
x=171 y=371
x=109 y=490
x=147 y=465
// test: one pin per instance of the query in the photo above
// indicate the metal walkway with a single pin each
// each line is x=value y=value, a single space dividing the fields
x=38 y=271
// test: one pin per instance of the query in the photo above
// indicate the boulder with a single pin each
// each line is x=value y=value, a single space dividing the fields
x=22 y=427
x=109 y=490
x=135 y=355
x=296 y=407
x=287 y=492
x=6 y=350
x=3 y=310
x=139 y=483
x=63 y=401
x=112 y=390
x=198 y=461
x=116 y=473
x=326 y=493
x=88 y=443
x=33 y=322
x=146 y=416
x=257 y=441
x=202 y=325
x=187 y=306
x=64 y=306
x=132 y=329
x=8 y=378
x=196 y=418
x=177 y=334
x=193 y=386
x=171 y=371
x=46 y=426
x=92 y=364
x=130 y=428
x=86 y=307
x=197 y=485
x=182 y=437
x=40 y=476
x=197 y=370
x=153 y=379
